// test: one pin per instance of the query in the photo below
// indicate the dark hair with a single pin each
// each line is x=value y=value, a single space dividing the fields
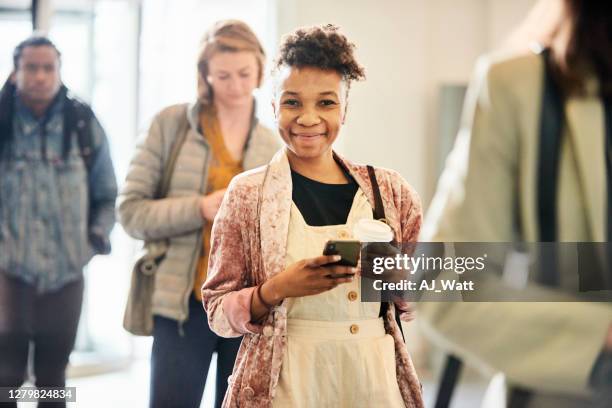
x=33 y=41
x=323 y=47
x=590 y=43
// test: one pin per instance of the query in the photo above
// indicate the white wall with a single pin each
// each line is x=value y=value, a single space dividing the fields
x=409 y=48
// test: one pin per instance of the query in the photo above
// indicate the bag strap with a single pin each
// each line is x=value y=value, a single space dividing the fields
x=181 y=136
x=379 y=209
x=379 y=214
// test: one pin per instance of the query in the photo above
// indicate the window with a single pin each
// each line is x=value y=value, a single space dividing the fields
x=171 y=33
x=129 y=59
x=15 y=25
x=98 y=41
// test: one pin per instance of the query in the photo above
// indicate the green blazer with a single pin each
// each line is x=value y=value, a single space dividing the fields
x=488 y=192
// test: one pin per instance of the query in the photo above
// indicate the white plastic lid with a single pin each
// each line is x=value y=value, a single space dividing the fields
x=368 y=230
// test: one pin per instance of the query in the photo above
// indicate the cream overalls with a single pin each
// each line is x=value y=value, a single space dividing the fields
x=338 y=354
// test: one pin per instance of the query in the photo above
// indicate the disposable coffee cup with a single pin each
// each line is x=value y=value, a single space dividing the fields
x=368 y=230
x=374 y=236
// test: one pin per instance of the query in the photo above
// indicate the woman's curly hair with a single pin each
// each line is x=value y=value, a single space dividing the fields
x=323 y=47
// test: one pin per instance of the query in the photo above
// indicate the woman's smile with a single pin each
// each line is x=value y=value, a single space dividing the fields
x=308 y=136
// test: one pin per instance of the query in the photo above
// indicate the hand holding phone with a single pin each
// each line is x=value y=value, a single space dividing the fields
x=309 y=277
x=348 y=250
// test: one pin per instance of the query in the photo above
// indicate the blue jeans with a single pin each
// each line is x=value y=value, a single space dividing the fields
x=179 y=364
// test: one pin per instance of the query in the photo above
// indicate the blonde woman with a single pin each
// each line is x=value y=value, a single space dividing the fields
x=223 y=139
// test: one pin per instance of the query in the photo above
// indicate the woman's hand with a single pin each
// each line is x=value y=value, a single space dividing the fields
x=383 y=250
x=209 y=204
x=307 y=277
x=303 y=278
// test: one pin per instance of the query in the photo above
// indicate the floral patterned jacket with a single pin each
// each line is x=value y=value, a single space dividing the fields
x=249 y=240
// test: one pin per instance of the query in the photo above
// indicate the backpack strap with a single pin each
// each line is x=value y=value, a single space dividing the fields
x=77 y=119
x=84 y=135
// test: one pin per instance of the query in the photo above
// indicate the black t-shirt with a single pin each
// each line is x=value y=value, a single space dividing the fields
x=323 y=204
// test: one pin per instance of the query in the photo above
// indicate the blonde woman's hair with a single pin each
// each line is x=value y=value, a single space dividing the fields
x=226 y=36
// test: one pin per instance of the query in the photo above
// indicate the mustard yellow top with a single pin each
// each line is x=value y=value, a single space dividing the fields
x=222 y=168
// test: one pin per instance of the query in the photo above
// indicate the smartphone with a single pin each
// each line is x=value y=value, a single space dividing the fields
x=348 y=250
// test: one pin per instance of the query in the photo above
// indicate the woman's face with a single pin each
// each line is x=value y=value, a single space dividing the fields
x=309 y=108
x=233 y=76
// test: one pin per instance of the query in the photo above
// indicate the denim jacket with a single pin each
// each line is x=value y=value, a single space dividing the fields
x=52 y=209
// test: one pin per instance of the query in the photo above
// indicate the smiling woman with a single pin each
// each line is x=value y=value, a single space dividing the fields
x=310 y=111
x=308 y=342
x=313 y=73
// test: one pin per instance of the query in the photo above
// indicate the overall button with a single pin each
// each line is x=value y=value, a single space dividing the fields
x=354 y=329
x=268 y=330
x=352 y=296
x=343 y=234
